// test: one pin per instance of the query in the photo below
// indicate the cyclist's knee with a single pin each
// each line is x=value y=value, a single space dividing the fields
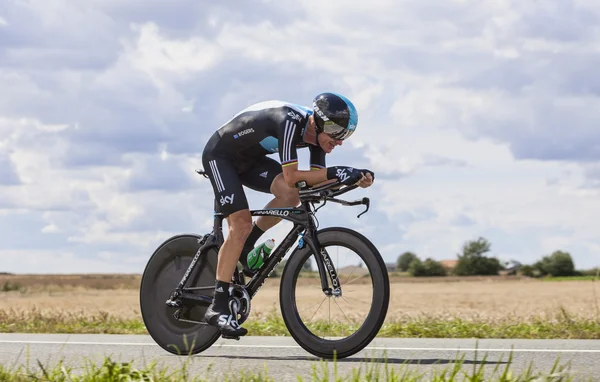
x=240 y=224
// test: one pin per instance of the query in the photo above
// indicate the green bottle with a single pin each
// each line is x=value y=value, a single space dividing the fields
x=259 y=253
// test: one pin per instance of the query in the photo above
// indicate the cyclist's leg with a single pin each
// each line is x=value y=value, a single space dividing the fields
x=230 y=195
x=267 y=176
x=240 y=225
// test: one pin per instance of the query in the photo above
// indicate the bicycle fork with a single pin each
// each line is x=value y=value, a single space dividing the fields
x=325 y=266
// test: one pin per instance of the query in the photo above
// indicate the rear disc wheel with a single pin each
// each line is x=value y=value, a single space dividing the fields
x=162 y=275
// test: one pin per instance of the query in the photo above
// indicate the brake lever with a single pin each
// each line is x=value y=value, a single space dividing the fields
x=366 y=201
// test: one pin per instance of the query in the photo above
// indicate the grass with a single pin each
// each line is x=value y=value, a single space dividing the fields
x=87 y=281
x=489 y=298
x=473 y=308
x=588 y=275
x=108 y=370
x=132 y=281
x=462 y=309
x=10 y=287
x=571 y=278
x=113 y=371
x=560 y=325
x=36 y=321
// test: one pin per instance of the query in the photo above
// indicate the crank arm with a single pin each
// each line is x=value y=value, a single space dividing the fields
x=195 y=299
x=177 y=316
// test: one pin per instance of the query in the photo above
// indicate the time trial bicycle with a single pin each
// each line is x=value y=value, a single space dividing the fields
x=178 y=282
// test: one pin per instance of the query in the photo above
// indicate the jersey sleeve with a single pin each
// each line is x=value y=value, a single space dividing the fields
x=317 y=157
x=289 y=136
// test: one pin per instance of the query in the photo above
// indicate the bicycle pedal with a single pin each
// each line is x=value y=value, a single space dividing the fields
x=229 y=337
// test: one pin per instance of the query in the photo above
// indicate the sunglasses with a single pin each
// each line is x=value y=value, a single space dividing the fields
x=336 y=131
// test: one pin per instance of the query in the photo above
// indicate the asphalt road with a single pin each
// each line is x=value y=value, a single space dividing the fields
x=285 y=360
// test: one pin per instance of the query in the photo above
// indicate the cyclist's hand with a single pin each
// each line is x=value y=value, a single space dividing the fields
x=367 y=178
x=344 y=174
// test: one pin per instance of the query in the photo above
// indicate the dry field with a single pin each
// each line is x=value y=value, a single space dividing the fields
x=486 y=298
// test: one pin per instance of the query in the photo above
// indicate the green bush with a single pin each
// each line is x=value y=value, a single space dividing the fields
x=404 y=261
x=527 y=270
x=556 y=265
x=472 y=262
x=10 y=287
x=429 y=267
x=591 y=272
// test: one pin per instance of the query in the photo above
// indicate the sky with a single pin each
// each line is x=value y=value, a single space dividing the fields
x=477 y=118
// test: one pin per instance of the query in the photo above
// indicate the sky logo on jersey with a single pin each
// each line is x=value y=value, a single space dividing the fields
x=227 y=199
x=243 y=132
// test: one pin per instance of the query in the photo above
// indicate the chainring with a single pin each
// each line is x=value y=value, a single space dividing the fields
x=241 y=299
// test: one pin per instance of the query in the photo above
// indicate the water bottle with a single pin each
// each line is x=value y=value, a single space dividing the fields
x=258 y=254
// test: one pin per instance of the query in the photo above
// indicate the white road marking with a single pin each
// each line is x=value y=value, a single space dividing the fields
x=298 y=347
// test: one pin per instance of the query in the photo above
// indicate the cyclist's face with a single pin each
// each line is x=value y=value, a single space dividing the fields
x=328 y=143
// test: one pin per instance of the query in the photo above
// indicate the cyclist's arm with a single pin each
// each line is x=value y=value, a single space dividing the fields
x=317 y=162
x=317 y=157
x=289 y=136
x=291 y=175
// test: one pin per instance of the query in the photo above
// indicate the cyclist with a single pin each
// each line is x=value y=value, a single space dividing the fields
x=236 y=155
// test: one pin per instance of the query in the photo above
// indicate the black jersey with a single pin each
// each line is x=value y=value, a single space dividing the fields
x=266 y=128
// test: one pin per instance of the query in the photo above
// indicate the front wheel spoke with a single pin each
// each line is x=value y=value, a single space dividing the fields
x=313 y=305
x=357 y=278
x=329 y=318
x=350 y=275
x=341 y=310
x=355 y=268
x=356 y=299
x=313 y=316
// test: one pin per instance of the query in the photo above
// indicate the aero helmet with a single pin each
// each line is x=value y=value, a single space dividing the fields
x=335 y=115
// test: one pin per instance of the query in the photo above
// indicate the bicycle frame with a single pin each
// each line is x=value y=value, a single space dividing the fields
x=303 y=218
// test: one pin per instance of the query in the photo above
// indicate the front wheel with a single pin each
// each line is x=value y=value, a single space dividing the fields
x=331 y=326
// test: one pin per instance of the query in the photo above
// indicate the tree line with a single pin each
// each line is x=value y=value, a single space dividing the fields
x=473 y=261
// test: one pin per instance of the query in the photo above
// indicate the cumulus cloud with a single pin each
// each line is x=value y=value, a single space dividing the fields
x=8 y=176
x=435 y=160
x=592 y=174
x=467 y=114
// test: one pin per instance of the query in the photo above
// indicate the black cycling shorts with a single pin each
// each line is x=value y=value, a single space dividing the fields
x=227 y=180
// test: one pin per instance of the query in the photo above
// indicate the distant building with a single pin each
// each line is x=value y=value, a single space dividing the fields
x=391 y=267
x=511 y=268
x=449 y=264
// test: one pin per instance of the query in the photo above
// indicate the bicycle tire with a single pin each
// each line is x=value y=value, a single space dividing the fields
x=352 y=344
x=162 y=274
